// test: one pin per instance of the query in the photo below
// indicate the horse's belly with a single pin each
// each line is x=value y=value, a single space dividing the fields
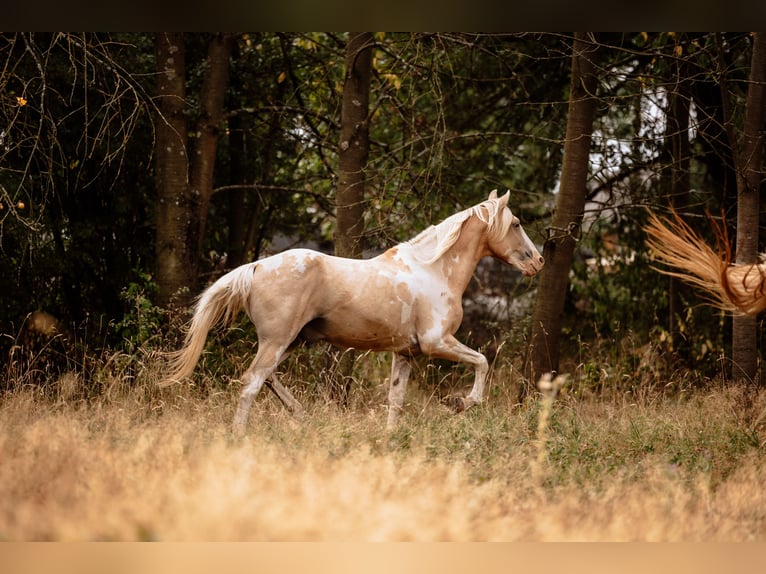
x=359 y=332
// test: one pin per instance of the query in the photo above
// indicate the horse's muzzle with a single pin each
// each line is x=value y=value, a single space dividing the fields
x=533 y=266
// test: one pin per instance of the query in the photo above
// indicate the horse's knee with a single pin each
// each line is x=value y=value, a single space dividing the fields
x=249 y=392
x=253 y=383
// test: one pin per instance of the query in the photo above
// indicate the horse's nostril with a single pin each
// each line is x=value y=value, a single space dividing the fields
x=542 y=260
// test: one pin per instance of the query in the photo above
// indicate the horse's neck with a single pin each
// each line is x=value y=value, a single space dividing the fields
x=460 y=260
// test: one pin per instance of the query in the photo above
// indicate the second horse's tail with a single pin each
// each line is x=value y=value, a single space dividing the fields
x=734 y=288
x=221 y=301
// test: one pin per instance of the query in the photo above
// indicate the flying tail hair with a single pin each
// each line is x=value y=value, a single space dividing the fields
x=221 y=302
x=735 y=288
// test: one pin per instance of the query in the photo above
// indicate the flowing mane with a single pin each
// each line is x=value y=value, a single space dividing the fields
x=433 y=242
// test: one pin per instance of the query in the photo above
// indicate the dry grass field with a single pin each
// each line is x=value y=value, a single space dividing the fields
x=126 y=461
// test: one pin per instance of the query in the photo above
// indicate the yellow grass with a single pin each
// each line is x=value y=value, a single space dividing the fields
x=137 y=464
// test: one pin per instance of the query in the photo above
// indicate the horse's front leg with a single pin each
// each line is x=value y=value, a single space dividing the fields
x=453 y=350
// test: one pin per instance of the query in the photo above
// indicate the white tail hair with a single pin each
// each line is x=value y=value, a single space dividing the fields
x=221 y=302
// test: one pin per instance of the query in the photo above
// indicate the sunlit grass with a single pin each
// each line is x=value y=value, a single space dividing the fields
x=127 y=461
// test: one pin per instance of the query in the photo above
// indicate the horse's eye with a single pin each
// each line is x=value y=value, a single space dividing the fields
x=516 y=224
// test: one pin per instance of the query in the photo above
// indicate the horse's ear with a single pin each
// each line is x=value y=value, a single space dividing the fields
x=505 y=198
x=493 y=194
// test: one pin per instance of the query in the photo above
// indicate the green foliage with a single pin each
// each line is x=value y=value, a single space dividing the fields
x=453 y=116
x=143 y=324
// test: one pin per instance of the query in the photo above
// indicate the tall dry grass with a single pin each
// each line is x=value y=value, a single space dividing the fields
x=131 y=462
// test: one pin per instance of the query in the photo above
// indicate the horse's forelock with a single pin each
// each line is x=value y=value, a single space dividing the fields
x=496 y=223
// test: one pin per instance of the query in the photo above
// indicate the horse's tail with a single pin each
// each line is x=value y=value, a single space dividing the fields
x=734 y=288
x=678 y=245
x=221 y=301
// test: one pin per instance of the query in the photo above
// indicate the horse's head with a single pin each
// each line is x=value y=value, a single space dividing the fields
x=507 y=240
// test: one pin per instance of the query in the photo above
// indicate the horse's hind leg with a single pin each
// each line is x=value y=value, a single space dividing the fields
x=400 y=373
x=262 y=367
x=286 y=397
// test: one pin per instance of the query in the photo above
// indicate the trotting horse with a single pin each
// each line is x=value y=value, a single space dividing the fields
x=734 y=288
x=407 y=300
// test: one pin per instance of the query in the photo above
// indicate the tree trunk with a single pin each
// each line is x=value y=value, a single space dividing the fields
x=567 y=219
x=354 y=146
x=174 y=258
x=678 y=156
x=209 y=124
x=352 y=152
x=184 y=199
x=749 y=166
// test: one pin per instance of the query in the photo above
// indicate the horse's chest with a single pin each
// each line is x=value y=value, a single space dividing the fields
x=439 y=308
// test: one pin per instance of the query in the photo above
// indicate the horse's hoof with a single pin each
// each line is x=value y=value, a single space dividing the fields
x=455 y=404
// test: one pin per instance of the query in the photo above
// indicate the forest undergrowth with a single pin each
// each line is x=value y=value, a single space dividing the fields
x=608 y=458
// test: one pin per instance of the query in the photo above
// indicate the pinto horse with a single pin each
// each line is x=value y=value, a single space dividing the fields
x=407 y=300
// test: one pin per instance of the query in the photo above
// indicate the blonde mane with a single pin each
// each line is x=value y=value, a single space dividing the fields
x=430 y=244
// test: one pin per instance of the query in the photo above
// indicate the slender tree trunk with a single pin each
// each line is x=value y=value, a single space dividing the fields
x=567 y=219
x=209 y=125
x=173 y=202
x=354 y=146
x=749 y=165
x=352 y=152
x=677 y=142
